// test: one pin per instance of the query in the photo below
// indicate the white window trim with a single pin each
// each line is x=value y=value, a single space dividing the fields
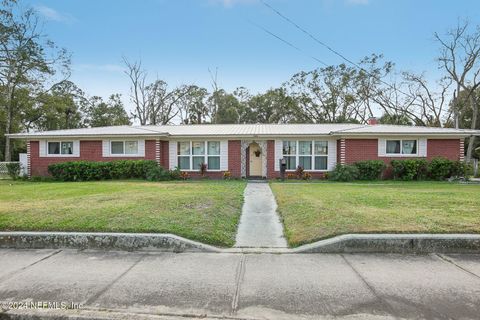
x=205 y=156
x=402 y=155
x=124 y=155
x=60 y=155
x=312 y=156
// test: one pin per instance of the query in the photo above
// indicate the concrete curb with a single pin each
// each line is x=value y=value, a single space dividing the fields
x=395 y=243
x=109 y=241
x=351 y=243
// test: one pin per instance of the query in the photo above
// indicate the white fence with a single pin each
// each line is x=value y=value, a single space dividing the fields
x=23 y=166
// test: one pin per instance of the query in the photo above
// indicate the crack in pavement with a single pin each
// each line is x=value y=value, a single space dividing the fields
x=108 y=286
x=10 y=274
x=371 y=288
x=452 y=262
x=238 y=281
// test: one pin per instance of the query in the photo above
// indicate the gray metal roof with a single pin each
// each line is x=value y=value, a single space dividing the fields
x=385 y=129
x=250 y=130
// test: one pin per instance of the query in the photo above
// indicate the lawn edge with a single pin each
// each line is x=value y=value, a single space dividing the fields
x=349 y=243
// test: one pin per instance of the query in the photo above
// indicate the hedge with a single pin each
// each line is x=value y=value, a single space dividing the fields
x=370 y=169
x=90 y=170
x=437 y=169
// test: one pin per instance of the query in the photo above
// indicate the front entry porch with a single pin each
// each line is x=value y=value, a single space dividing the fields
x=254 y=158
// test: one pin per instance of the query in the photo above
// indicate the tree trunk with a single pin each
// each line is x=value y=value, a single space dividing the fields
x=471 y=141
x=8 y=125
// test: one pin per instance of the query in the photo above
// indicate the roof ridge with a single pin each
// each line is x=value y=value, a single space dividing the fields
x=347 y=129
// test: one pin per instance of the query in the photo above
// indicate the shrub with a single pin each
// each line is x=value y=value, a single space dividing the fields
x=157 y=173
x=227 y=175
x=299 y=172
x=410 y=169
x=440 y=168
x=306 y=176
x=291 y=175
x=460 y=169
x=203 y=169
x=344 y=172
x=13 y=169
x=370 y=169
x=175 y=174
x=89 y=170
x=184 y=175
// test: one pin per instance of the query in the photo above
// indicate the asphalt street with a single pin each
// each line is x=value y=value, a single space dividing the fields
x=127 y=285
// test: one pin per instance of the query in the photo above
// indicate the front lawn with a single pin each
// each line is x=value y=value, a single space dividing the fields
x=206 y=211
x=312 y=211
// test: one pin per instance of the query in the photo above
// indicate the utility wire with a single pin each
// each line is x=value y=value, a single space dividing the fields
x=286 y=42
x=310 y=35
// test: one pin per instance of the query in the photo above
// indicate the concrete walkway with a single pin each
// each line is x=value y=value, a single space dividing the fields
x=260 y=226
x=134 y=285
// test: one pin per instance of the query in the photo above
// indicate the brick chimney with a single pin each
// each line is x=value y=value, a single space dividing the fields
x=372 y=121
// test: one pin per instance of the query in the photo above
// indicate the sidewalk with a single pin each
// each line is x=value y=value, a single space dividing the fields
x=243 y=286
x=260 y=225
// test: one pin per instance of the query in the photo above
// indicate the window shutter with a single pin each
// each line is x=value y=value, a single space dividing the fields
x=172 y=154
x=332 y=154
x=382 y=152
x=278 y=153
x=105 y=148
x=76 y=148
x=42 y=146
x=224 y=155
x=422 y=147
x=141 y=148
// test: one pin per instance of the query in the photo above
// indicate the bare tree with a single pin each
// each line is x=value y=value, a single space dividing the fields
x=138 y=90
x=430 y=106
x=459 y=57
x=154 y=102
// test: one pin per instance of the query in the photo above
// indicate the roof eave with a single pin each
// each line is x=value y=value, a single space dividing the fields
x=93 y=136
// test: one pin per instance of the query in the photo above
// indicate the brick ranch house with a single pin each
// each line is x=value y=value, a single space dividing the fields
x=246 y=150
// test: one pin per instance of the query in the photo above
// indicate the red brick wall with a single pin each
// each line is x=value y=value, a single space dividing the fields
x=448 y=148
x=164 y=154
x=360 y=149
x=234 y=158
x=271 y=159
x=89 y=150
x=367 y=149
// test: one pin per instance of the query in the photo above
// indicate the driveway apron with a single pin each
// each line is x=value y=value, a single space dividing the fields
x=260 y=225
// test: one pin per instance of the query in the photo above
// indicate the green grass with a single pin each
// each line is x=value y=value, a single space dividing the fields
x=313 y=211
x=206 y=211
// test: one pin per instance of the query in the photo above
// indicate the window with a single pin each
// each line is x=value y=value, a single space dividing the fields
x=60 y=147
x=289 y=154
x=321 y=155
x=310 y=155
x=401 y=147
x=191 y=154
x=124 y=147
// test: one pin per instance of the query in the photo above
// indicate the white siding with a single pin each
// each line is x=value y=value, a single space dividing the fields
x=382 y=145
x=42 y=145
x=76 y=148
x=332 y=154
x=224 y=155
x=141 y=148
x=172 y=154
x=278 y=153
x=422 y=147
x=105 y=148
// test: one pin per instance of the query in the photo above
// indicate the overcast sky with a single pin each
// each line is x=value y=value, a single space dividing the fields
x=179 y=40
